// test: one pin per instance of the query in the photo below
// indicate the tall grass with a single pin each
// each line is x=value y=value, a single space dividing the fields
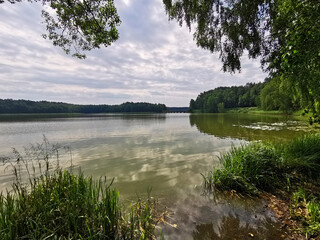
x=57 y=204
x=62 y=205
x=266 y=166
x=303 y=155
x=247 y=168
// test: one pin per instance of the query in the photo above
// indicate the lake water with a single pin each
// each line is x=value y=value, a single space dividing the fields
x=166 y=152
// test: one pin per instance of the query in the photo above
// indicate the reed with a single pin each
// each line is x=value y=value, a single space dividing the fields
x=288 y=167
x=247 y=168
x=266 y=166
x=303 y=155
x=58 y=204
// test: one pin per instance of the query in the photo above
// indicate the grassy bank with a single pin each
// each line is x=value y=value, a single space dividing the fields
x=252 y=110
x=281 y=169
x=299 y=114
x=58 y=204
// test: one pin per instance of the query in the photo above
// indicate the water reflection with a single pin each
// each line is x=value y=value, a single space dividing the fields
x=166 y=152
x=232 y=228
x=248 y=126
x=163 y=158
x=77 y=116
x=209 y=217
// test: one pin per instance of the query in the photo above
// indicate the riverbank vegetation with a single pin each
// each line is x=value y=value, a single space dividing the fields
x=58 y=204
x=269 y=96
x=9 y=106
x=289 y=170
x=223 y=98
x=68 y=206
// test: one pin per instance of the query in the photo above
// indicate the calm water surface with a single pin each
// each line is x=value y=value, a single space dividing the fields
x=166 y=152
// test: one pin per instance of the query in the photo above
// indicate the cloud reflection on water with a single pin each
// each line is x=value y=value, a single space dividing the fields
x=166 y=152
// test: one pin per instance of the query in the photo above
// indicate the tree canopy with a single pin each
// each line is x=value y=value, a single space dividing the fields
x=274 y=96
x=221 y=98
x=79 y=25
x=285 y=34
x=276 y=30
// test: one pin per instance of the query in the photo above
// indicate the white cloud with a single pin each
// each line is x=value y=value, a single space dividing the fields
x=154 y=61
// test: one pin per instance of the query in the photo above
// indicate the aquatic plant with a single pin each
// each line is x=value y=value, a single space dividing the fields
x=68 y=206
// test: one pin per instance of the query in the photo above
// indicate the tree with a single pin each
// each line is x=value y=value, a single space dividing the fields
x=229 y=27
x=221 y=107
x=192 y=105
x=285 y=34
x=266 y=28
x=299 y=58
x=80 y=25
x=221 y=98
x=211 y=105
x=274 y=96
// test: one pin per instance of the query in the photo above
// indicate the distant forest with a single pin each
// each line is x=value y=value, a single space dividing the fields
x=26 y=106
x=269 y=95
x=218 y=99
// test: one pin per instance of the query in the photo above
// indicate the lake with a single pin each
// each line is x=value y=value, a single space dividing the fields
x=166 y=152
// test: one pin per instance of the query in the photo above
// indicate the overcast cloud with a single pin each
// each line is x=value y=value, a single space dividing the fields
x=153 y=61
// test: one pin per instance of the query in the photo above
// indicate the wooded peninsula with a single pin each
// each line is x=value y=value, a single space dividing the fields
x=10 y=106
x=268 y=95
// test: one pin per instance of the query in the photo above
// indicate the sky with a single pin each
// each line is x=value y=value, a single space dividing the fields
x=153 y=61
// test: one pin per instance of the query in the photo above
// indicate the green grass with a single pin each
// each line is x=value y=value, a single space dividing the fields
x=306 y=207
x=313 y=217
x=58 y=204
x=303 y=155
x=264 y=166
x=68 y=206
x=258 y=167
x=247 y=169
x=252 y=110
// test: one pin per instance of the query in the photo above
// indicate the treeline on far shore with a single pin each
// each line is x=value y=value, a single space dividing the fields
x=10 y=106
x=267 y=95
